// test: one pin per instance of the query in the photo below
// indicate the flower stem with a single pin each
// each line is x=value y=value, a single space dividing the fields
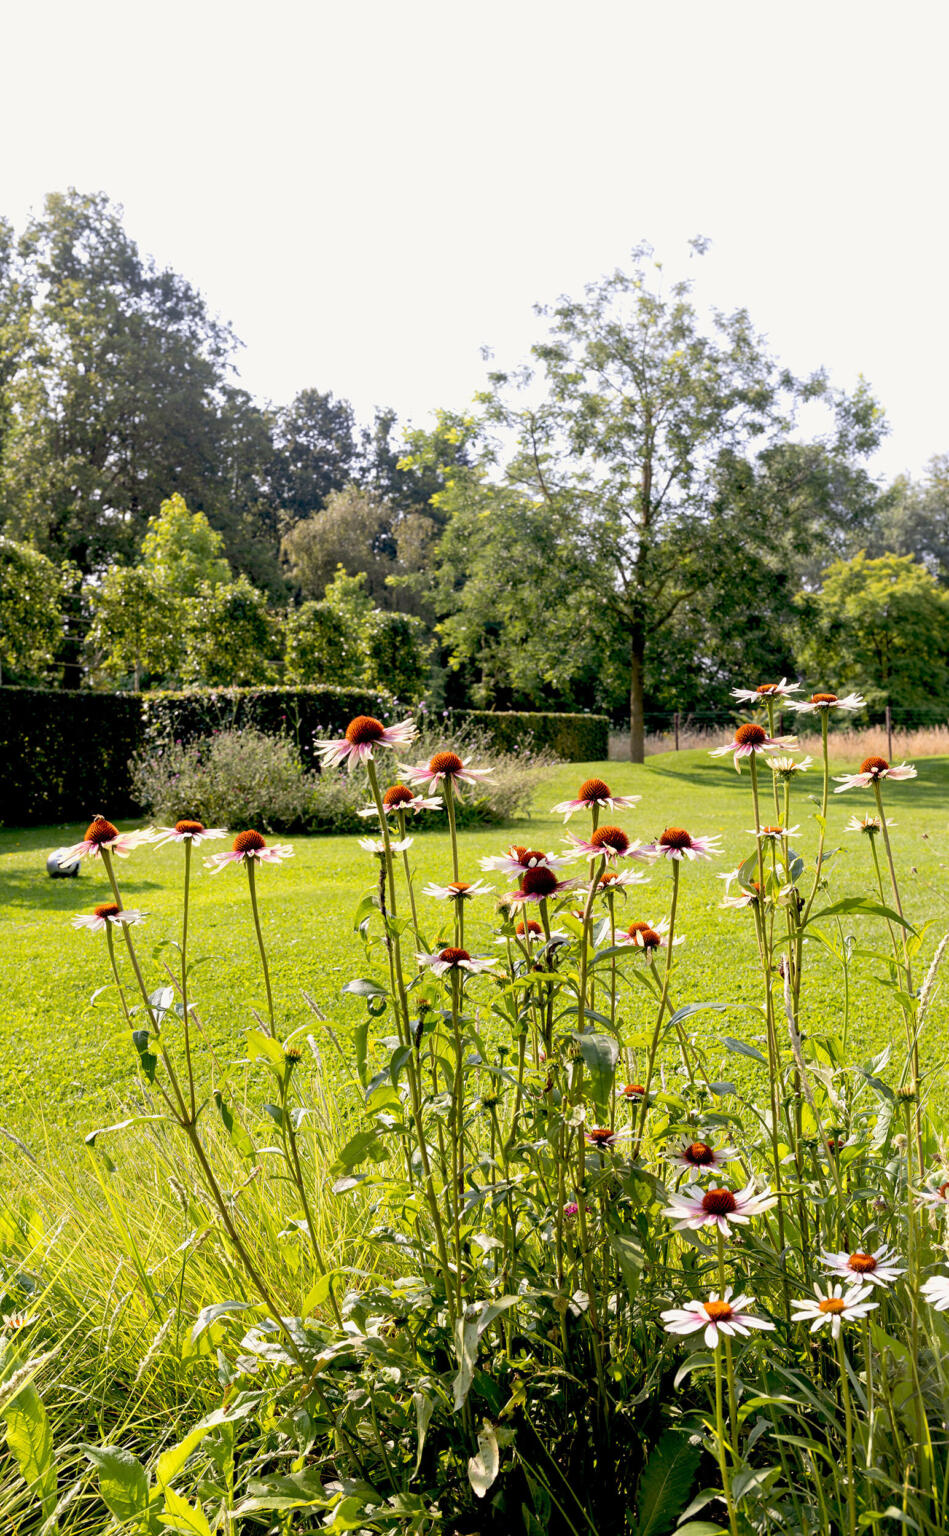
x=848 y=1420
x=252 y=886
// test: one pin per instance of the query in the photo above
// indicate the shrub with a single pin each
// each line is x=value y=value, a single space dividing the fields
x=571 y=738
x=59 y=751
x=303 y=714
x=234 y=778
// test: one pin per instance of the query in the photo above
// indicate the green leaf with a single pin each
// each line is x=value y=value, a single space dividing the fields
x=600 y=1054
x=181 y=1516
x=365 y=986
x=484 y=1468
x=264 y=1047
x=148 y=1061
x=120 y=1125
x=209 y=1315
x=364 y=1144
x=665 y=1483
x=239 y=1138
x=468 y=1331
x=30 y=1440
x=742 y=1049
x=123 y=1481
x=860 y=906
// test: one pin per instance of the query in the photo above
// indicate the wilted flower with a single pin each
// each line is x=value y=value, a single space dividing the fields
x=700 y=1156
x=451 y=959
x=108 y=912
x=819 y=702
x=517 y=859
x=936 y=1291
x=869 y=824
x=787 y=767
x=362 y=735
x=184 y=832
x=878 y=1268
x=101 y=836
x=834 y=1306
x=457 y=890
x=746 y=897
x=246 y=846
x=677 y=843
x=872 y=770
x=766 y=691
x=398 y=797
x=751 y=739
x=595 y=792
x=716 y=1316
x=697 y=1207
x=445 y=765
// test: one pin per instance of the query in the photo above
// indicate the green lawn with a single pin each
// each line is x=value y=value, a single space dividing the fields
x=65 y=1048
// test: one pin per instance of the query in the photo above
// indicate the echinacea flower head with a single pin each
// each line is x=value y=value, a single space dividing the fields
x=936 y=1198
x=102 y=837
x=633 y=1092
x=748 y=896
x=452 y=959
x=538 y=884
x=194 y=832
x=399 y=798
x=457 y=890
x=820 y=703
x=608 y=843
x=108 y=912
x=936 y=1292
x=247 y=848
x=646 y=936
x=377 y=845
x=870 y=825
x=363 y=735
x=698 y=1157
x=834 y=1306
x=787 y=767
x=603 y=1137
x=749 y=740
x=595 y=793
x=774 y=833
x=766 y=691
x=677 y=843
x=445 y=766
x=618 y=879
x=881 y=1267
x=518 y=858
x=720 y=1208
x=872 y=771
x=719 y=1315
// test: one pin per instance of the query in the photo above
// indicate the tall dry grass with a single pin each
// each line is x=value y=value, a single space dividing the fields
x=926 y=741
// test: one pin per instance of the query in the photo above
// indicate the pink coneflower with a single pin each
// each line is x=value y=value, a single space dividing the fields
x=362 y=735
x=570 y=1209
x=398 y=797
x=819 y=702
x=773 y=834
x=457 y=890
x=595 y=792
x=102 y=835
x=619 y=879
x=748 y=895
x=518 y=858
x=725 y=1315
x=538 y=884
x=834 y=1306
x=633 y=1092
x=608 y=843
x=445 y=765
x=376 y=844
x=750 y=739
x=108 y=912
x=184 y=832
x=700 y=1156
x=677 y=843
x=646 y=936
x=603 y=1136
x=878 y=1268
x=451 y=959
x=249 y=845
x=766 y=691
x=719 y=1208
x=872 y=771
x=530 y=932
x=937 y=1199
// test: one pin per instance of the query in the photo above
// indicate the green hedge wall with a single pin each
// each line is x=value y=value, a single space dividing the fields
x=574 y=738
x=302 y=713
x=66 y=755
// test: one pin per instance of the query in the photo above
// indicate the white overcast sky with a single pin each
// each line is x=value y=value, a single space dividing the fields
x=372 y=191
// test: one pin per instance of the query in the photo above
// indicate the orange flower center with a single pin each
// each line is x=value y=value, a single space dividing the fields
x=600 y=1134
x=874 y=765
x=245 y=842
x=192 y=827
x=609 y=877
x=750 y=735
x=446 y=762
x=635 y=928
x=862 y=1263
x=100 y=831
x=460 y=886
x=529 y=927
x=610 y=837
x=943 y=1191
x=650 y=939
x=675 y=837
x=774 y=831
x=719 y=1202
x=399 y=794
x=107 y=909
x=831 y=1304
x=700 y=1154
x=453 y=956
x=767 y=688
x=633 y=1091
x=592 y=790
x=718 y=1311
x=364 y=728
x=823 y=698
x=539 y=881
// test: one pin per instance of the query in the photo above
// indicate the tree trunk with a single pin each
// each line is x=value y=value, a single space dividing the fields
x=637 y=721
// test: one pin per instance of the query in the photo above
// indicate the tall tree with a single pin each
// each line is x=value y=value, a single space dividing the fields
x=314 y=453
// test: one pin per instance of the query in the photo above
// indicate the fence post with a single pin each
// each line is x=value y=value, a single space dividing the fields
x=675 y=721
x=889 y=734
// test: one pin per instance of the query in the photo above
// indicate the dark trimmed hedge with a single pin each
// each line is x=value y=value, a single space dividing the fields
x=573 y=738
x=301 y=713
x=66 y=755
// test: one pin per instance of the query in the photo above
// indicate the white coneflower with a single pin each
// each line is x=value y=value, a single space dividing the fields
x=457 y=890
x=595 y=792
x=820 y=703
x=677 y=843
x=249 y=845
x=108 y=912
x=772 y=833
x=877 y=1268
x=936 y=1292
x=787 y=767
x=194 y=832
x=719 y=1208
x=377 y=844
x=362 y=736
x=518 y=858
x=445 y=765
x=398 y=797
x=717 y=1316
x=751 y=739
x=872 y=770
x=700 y=1156
x=101 y=836
x=766 y=691
x=748 y=894
x=871 y=825
x=452 y=959
x=834 y=1306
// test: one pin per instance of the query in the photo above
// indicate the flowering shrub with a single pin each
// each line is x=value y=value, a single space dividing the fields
x=229 y=778
x=602 y=1288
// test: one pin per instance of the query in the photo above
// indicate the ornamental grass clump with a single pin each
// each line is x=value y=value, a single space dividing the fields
x=600 y=1286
